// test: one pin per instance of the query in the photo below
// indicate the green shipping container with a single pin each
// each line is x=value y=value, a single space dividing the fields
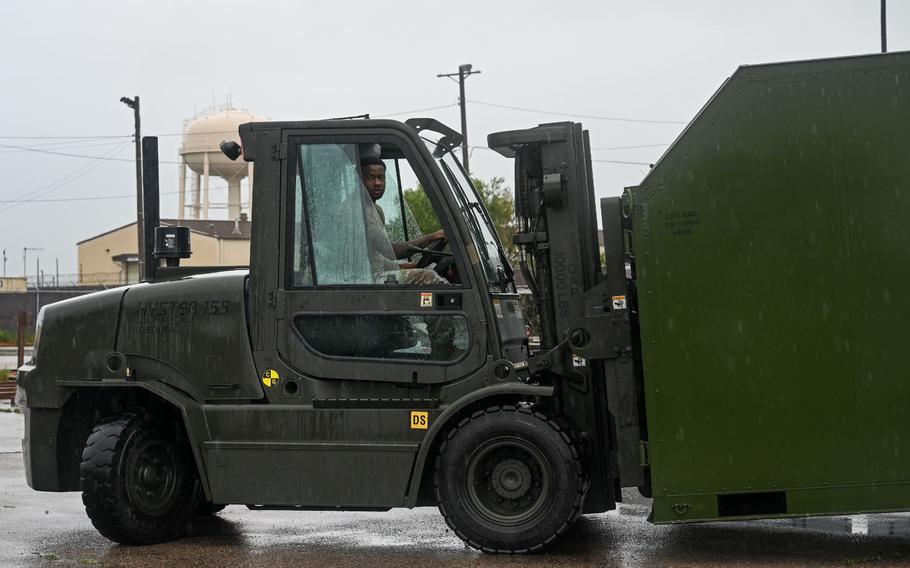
x=772 y=259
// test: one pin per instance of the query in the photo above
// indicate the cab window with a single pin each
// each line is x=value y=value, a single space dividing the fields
x=418 y=337
x=351 y=226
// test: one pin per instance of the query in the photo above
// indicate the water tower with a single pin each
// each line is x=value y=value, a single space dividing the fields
x=199 y=151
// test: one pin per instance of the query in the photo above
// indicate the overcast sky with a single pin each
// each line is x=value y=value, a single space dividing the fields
x=65 y=65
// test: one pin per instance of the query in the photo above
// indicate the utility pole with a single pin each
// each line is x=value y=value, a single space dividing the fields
x=133 y=103
x=463 y=72
x=4 y=263
x=884 y=29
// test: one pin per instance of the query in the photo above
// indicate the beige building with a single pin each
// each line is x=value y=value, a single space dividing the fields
x=12 y=284
x=111 y=258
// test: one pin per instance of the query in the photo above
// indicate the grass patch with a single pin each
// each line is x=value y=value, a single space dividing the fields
x=8 y=337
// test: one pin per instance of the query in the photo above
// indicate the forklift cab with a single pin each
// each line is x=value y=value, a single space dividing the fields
x=351 y=299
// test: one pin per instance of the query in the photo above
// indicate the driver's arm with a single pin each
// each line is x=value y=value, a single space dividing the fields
x=401 y=249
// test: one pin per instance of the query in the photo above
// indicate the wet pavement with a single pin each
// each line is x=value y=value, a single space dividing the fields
x=51 y=529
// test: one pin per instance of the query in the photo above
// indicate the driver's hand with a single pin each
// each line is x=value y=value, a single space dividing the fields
x=439 y=235
x=407 y=265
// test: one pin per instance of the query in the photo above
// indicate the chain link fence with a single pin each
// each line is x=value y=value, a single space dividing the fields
x=102 y=279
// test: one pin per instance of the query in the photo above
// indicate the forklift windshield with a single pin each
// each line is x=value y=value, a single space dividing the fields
x=483 y=232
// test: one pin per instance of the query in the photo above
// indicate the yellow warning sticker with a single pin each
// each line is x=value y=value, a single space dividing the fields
x=426 y=299
x=420 y=420
x=619 y=302
x=270 y=378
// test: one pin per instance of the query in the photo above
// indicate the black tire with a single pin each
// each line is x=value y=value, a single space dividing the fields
x=137 y=480
x=509 y=480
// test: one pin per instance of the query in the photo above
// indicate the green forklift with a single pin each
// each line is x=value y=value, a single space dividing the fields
x=740 y=352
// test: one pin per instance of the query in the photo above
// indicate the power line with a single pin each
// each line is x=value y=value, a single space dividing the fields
x=664 y=145
x=215 y=187
x=67 y=179
x=165 y=135
x=623 y=162
x=63 y=137
x=575 y=115
x=606 y=148
x=416 y=110
x=399 y=113
x=172 y=134
x=61 y=146
x=66 y=199
x=68 y=154
x=71 y=155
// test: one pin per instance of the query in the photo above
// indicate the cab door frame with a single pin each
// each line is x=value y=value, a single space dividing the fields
x=294 y=302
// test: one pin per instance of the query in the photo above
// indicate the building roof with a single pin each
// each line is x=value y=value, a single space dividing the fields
x=114 y=230
x=219 y=229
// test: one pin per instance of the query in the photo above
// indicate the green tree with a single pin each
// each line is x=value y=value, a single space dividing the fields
x=500 y=204
x=496 y=197
x=420 y=207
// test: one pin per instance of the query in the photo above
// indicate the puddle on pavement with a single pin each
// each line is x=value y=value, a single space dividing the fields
x=874 y=525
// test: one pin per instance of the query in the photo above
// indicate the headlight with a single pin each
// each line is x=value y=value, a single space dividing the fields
x=38 y=323
x=20 y=399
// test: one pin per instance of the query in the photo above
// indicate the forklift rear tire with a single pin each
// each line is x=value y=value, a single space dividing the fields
x=137 y=484
x=509 y=480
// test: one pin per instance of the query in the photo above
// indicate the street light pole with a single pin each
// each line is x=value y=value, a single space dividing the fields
x=25 y=263
x=463 y=72
x=37 y=286
x=133 y=103
x=37 y=275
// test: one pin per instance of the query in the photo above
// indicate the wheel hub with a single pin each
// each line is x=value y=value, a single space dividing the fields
x=511 y=479
x=508 y=481
x=154 y=480
x=151 y=473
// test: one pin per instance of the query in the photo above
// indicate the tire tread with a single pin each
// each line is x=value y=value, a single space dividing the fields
x=101 y=496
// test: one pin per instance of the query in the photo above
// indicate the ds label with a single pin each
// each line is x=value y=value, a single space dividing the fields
x=420 y=420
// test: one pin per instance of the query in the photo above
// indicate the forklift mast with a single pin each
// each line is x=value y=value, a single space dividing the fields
x=584 y=308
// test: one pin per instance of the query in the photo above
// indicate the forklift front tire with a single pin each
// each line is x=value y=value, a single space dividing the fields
x=509 y=480
x=136 y=479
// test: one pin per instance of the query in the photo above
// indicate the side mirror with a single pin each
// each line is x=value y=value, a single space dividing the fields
x=231 y=149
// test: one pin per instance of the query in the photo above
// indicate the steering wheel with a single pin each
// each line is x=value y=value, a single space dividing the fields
x=448 y=269
x=435 y=252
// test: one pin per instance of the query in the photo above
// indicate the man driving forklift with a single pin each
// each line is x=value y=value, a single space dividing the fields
x=373 y=174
